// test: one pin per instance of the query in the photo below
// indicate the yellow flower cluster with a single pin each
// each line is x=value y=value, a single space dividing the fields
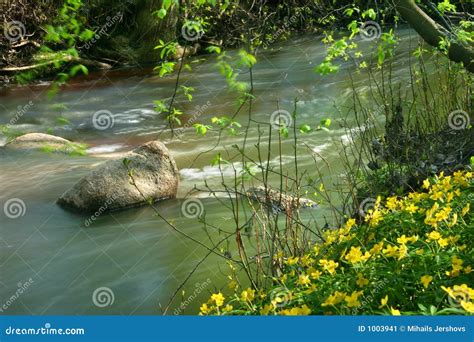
x=355 y=255
x=422 y=238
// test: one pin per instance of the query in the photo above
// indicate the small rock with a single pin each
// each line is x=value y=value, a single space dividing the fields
x=277 y=200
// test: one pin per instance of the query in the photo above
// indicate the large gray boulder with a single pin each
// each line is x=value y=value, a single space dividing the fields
x=109 y=186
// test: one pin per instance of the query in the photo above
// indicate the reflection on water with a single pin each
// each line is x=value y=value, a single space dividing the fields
x=133 y=252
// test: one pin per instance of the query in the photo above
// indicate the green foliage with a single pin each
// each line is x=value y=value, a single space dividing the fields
x=71 y=149
x=10 y=133
x=201 y=129
x=59 y=54
x=224 y=122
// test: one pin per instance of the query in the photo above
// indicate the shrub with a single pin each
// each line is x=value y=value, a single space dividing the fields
x=409 y=255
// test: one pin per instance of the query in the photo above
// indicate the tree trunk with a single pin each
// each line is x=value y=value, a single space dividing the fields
x=433 y=33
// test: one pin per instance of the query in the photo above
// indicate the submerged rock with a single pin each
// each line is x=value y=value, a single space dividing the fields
x=45 y=143
x=277 y=200
x=37 y=141
x=109 y=186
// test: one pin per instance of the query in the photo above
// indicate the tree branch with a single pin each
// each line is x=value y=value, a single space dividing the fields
x=433 y=33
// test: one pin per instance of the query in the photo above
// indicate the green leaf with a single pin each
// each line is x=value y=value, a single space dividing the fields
x=160 y=13
x=325 y=123
x=305 y=128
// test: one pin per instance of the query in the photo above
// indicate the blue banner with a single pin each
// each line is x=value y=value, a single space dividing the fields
x=241 y=329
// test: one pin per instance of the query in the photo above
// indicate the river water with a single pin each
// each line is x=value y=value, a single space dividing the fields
x=59 y=263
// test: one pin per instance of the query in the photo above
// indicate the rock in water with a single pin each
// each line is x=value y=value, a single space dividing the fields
x=36 y=141
x=109 y=188
x=277 y=200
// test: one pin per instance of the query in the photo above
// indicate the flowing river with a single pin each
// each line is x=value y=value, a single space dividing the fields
x=131 y=262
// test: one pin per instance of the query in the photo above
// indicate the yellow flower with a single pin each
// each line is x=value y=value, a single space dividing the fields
x=426 y=280
x=355 y=255
x=361 y=281
x=468 y=306
x=350 y=223
x=402 y=251
x=434 y=235
x=383 y=302
x=466 y=209
x=310 y=289
x=411 y=208
x=373 y=217
x=315 y=274
x=443 y=242
x=395 y=312
x=334 y=299
x=302 y=311
x=391 y=203
x=247 y=295
x=456 y=261
x=467 y=269
x=266 y=309
x=353 y=299
x=228 y=308
x=218 y=298
x=426 y=184
x=303 y=279
x=292 y=261
x=449 y=197
x=329 y=265
x=443 y=214
x=204 y=309
x=316 y=250
x=437 y=195
x=391 y=251
x=404 y=240
x=454 y=220
x=376 y=248
x=307 y=260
